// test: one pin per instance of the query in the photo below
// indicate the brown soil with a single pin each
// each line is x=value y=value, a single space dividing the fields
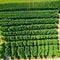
x=59 y=32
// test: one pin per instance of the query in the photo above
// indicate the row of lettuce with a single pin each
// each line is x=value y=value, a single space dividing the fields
x=29 y=49
x=29 y=14
x=37 y=29
x=30 y=5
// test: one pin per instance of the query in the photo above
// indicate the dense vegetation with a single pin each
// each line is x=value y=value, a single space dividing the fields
x=30 y=49
x=30 y=5
x=29 y=30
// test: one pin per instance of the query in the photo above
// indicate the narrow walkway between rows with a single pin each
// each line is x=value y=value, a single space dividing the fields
x=59 y=31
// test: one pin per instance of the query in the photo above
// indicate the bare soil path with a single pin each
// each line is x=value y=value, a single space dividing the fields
x=59 y=31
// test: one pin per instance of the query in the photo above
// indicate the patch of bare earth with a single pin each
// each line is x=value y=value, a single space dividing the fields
x=59 y=31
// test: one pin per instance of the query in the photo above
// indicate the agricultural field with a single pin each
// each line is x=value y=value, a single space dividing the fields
x=20 y=1
x=29 y=29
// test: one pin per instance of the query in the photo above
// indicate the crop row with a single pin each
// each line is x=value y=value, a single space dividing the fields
x=30 y=32
x=45 y=42
x=12 y=50
x=37 y=42
x=30 y=14
x=29 y=27
x=46 y=20
x=29 y=37
x=30 y=5
x=27 y=22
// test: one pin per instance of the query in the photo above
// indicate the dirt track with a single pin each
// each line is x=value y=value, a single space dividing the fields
x=59 y=32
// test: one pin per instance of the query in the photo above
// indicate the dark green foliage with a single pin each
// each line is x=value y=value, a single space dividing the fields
x=46 y=51
x=19 y=43
x=35 y=53
x=30 y=5
x=27 y=52
x=39 y=50
x=30 y=14
x=29 y=27
x=30 y=30
x=14 y=49
x=31 y=50
x=30 y=42
x=28 y=37
x=21 y=52
x=47 y=42
x=27 y=21
x=2 y=47
x=7 y=49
